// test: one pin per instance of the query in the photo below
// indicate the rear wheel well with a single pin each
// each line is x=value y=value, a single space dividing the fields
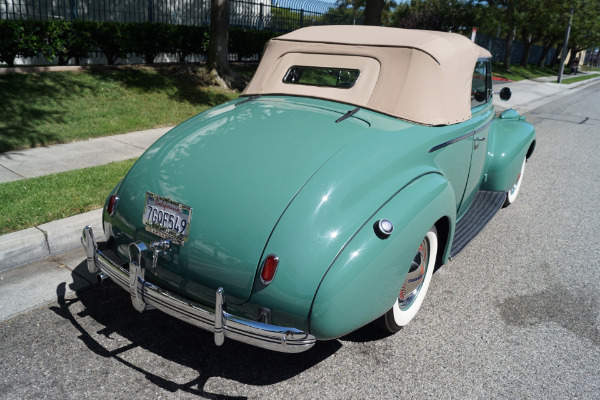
x=443 y=232
x=530 y=151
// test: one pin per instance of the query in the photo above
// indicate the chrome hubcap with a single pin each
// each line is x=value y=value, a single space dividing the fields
x=414 y=279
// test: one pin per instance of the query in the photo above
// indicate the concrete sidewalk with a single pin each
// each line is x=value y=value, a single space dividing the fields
x=528 y=95
x=39 y=161
x=56 y=237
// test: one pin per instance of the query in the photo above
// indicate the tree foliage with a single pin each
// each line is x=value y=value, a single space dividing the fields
x=438 y=15
x=585 y=29
x=532 y=22
x=357 y=12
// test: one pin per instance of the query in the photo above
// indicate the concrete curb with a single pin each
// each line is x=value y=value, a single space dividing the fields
x=45 y=240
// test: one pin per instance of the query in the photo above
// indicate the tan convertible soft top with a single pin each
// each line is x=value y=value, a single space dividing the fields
x=417 y=75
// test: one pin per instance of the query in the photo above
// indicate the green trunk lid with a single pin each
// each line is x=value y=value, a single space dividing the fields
x=238 y=167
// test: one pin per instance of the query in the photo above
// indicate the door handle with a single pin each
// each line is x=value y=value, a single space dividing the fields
x=479 y=139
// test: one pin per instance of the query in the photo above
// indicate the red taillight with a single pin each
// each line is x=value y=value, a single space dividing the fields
x=112 y=202
x=269 y=268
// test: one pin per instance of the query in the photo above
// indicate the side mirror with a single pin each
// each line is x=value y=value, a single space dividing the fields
x=505 y=94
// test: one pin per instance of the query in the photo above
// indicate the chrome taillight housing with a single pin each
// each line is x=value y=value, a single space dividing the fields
x=112 y=204
x=269 y=268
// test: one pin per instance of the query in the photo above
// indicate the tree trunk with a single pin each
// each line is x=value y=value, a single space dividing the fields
x=509 y=42
x=526 y=51
x=218 y=47
x=373 y=11
x=556 y=55
x=510 y=37
x=545 y=51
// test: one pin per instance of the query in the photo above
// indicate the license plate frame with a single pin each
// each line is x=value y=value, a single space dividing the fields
x=167 y=218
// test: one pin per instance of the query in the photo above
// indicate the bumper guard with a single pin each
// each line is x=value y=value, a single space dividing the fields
x=145 y=295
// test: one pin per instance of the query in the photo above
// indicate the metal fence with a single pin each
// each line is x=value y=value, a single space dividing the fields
x=276 y=15
x=282 y=15
x=497 y=46
x=592 y=58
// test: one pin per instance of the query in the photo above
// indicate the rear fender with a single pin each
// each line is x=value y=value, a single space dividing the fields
x=363 y=281
x=511 y=140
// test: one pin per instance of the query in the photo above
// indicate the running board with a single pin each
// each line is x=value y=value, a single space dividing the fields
x=483 y=209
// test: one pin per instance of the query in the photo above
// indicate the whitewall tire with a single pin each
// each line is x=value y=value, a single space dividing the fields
x=512 y=194
x=416 y=283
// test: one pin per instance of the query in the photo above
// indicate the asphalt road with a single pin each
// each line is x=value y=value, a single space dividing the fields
x=516 y=315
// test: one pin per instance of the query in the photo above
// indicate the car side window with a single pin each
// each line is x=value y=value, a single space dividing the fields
x=481 y=84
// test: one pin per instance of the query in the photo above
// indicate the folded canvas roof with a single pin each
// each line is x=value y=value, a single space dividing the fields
x=417 y=75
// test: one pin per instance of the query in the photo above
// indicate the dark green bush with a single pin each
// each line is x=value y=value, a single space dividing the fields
x=186 y=40
x=24 y=38
x=112 y=39
x=148 y=39
x=68 y=40
x=247 y=42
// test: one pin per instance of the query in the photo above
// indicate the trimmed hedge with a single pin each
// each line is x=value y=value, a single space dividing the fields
x=247 y=42
x=64 y=40
x=24 y=38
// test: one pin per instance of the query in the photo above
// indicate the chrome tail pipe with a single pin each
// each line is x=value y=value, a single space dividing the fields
x=101 y=277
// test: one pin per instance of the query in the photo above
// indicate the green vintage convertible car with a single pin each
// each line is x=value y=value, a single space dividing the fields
x=357 y=161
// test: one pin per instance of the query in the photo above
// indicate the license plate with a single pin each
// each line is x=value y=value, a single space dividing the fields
x=167 y=218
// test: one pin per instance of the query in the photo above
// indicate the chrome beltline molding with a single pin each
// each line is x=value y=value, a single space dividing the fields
x=146 y=295
x=463 y=137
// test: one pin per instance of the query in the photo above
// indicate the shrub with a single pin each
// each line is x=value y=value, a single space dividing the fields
x=248 y=42
x=112 y=39
x=22 y=38
x=68 y=40
x=186 y=40
x=149 y=39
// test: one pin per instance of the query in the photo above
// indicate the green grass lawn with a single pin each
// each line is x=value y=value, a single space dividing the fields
x=30 y=202
x=38 y=109
x=579 y=78
x=518 y=73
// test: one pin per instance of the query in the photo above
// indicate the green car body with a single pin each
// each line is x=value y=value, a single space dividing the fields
x=308 y=179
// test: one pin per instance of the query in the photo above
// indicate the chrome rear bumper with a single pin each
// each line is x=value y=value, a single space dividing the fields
x=145 y=295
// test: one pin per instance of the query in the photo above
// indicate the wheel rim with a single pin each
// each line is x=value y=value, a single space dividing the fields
x=415 y=277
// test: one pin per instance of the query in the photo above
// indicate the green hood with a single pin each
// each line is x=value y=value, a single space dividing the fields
x=239 y=168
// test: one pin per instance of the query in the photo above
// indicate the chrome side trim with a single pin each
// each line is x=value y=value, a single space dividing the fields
x=218 y=321
x=452 y=141
x=463 y=137
x=483 y=127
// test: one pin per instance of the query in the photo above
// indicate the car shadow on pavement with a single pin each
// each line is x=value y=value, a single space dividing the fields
x=368 y=333
x=102 y=313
